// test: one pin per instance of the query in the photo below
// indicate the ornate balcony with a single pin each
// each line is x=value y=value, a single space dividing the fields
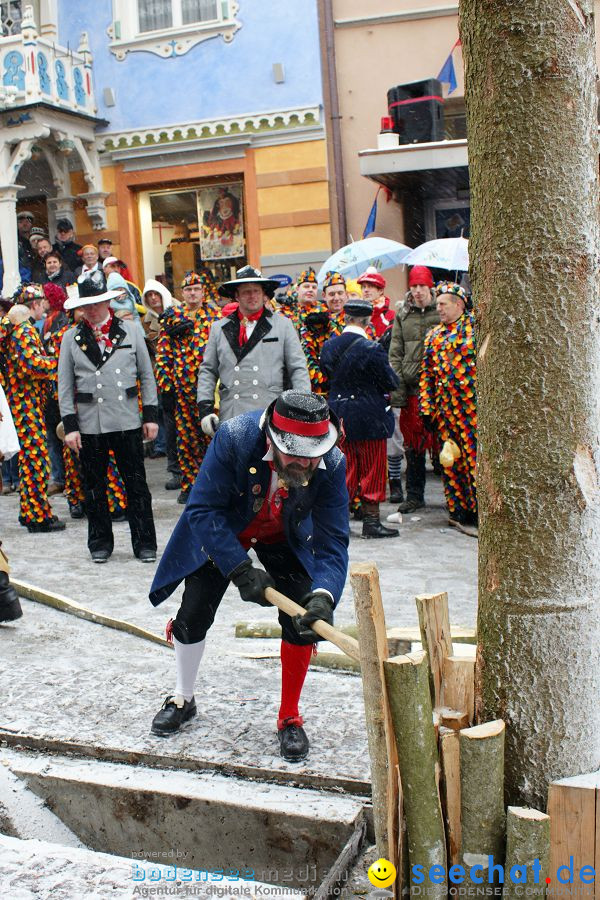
x=35 y=70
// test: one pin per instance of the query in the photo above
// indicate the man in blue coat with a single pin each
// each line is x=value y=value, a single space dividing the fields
x=276 y=483
x=360 y=379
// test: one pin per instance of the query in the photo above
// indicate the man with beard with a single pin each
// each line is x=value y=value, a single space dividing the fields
x=273 y=482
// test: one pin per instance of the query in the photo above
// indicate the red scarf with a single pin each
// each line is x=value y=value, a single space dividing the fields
x=244 y=321
x=101 y=331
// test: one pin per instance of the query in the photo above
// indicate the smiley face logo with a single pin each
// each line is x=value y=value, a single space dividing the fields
x=382 y=873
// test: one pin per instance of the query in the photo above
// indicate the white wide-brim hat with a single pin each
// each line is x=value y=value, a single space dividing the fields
x=86 y=293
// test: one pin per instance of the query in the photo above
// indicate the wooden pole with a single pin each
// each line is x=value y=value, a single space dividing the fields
x=434 y=621
x=407 y=679
x=380 y=733
x=343 y=641
x=450 y=753
x=270 y=630
x=527 y=839
x=482 y=795
x=458 y=685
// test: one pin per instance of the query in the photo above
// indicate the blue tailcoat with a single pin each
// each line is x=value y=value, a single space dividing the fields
x=360 y=378
x=232 y=479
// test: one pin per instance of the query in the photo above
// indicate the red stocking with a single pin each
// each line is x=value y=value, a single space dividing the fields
x=294 y=666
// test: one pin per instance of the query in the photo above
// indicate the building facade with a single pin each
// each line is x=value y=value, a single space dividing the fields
x=190 y=132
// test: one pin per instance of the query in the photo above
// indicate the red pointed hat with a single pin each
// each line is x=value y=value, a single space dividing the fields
x=301 y=424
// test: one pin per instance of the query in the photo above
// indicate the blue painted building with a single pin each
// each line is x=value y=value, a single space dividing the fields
x=188 y=131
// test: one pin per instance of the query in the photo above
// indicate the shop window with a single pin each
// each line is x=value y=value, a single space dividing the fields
x=169 y=27
x=200 y=229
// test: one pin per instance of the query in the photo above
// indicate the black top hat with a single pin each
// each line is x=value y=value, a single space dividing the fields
x=360 y=308
x=248 y=275
x=302 y=424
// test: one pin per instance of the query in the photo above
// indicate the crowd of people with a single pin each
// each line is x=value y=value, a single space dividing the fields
x=330 y=387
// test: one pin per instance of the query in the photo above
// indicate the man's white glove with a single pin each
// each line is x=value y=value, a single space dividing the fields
x=209 y=424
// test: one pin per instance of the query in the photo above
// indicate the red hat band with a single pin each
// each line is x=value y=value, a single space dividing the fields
x=294 y=426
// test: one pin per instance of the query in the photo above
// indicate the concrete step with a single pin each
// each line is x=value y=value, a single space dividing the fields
x=275 y=833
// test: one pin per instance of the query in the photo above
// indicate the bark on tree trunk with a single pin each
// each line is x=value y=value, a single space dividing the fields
x=533 y=156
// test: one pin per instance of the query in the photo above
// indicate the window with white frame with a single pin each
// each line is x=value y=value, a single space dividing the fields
x=11 y=15
x=169 y=27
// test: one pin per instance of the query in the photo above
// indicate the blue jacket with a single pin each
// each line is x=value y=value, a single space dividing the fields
x=360 y=378
x=232 y=477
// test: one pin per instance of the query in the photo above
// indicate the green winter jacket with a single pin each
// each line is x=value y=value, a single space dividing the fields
x=411 y=324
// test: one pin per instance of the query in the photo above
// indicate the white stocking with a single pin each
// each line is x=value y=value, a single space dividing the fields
x=187 y=660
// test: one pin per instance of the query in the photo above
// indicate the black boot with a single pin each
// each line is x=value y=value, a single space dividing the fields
x=76 y=510
x=172 y=715
x=372 y=527
x=174 y=484
x=183 y=497
x=396 y=494
x=52 y=524
x=293 y=743
x=10 y=608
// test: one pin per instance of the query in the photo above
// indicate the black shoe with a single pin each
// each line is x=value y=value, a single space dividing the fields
x=293 y=743
x=372 y=528
x=147 y=555
x=357 y=512
x=183 y=496
x=10 y=608
x=157 y=454
x=76 y=510
x=174 y=484
x=52 y=524
x=396 y=494
x=118 y=515
x=172 y=715
x=411 y=505
x=100 y=556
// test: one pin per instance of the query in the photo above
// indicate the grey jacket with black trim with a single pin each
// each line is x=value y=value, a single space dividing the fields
x=255 y=374
x=98 y=391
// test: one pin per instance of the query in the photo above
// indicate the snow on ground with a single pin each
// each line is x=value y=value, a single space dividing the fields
x=74 y=680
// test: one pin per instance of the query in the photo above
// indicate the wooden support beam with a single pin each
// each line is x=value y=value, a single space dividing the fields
x=458 y=685
x=434 y=621
x=450 y=756
x=407 y=679
x=482 y=795
x=574 y=828
x=527 y=839
x=382 y=748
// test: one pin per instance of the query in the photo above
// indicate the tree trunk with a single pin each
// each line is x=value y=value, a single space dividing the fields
x=533 y=156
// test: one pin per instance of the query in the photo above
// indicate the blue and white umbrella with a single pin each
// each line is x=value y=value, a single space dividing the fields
x=444 y=253
x=352 y=260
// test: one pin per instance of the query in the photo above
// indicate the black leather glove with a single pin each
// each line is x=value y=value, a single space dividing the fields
x=251 y=583
x=318 y=605
x=179 y=329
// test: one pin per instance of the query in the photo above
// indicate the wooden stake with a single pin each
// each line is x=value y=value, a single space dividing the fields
x=527 y=839
x=450 y=753
x=407 y=679
x=458 y=685
x=434 y=621
x=482 y=795
x=573 y=830
x=382 y=749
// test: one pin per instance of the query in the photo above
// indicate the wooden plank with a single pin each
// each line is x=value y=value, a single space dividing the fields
x=572 y=811
x=450 y=755
x=373 y=648
x=434 y=621
x=458 y=685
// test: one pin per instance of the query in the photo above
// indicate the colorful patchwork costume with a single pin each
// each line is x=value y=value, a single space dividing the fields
x=448 y=398
x=179 y=353
x=315 y=326
x=28 y=374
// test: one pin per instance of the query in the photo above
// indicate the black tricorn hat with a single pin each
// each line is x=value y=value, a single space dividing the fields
x=248 y=275
x=359 y=308
x=301 y=424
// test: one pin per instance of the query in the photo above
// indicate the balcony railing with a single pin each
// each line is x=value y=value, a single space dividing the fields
x=34 y=69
